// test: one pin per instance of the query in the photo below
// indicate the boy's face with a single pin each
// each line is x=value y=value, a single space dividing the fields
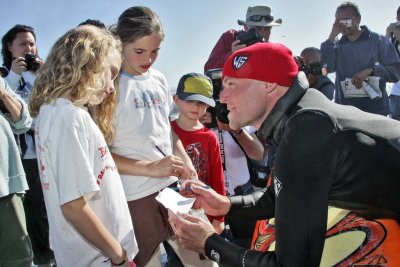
x=191 y=109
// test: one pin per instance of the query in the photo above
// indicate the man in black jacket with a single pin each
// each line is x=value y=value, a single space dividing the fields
x=328 y=155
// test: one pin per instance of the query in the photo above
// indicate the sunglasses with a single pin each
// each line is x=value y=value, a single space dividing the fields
x=258 y=18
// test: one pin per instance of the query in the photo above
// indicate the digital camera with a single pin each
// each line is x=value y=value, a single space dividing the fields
x=221 y=112
x=346 y=22
x=248 y=38
x=31 y=63
x=215 y=75
x=315 y=69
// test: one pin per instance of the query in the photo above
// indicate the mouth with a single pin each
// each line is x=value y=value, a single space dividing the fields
x=145 y=67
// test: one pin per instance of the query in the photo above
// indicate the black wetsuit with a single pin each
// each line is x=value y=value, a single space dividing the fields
x=328 y=154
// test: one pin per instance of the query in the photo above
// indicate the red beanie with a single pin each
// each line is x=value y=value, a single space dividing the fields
x=268 y=62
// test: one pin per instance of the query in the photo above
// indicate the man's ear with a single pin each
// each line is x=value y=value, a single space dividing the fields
x=270 y=87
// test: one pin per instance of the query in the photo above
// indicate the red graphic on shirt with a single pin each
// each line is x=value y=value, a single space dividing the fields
x=378 y=248
x=103 y=171
x=103 y=151
x=199 y=160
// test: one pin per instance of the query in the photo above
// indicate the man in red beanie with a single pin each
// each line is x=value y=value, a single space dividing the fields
x=328 y=155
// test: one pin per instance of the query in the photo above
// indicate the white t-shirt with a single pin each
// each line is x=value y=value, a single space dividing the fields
x=74 y=161
x=237 y=171
x=142 y=122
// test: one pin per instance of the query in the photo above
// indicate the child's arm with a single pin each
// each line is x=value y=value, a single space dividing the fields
x=93 y=230
x=189 y=171
x=167 y=166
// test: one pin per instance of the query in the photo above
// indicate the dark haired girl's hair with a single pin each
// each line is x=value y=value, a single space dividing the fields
x=137 y=22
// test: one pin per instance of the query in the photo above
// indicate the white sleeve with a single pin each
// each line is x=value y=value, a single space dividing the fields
x=72 y=167
x=13 y=80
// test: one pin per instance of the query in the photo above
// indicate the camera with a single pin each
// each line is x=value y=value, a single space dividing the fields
x=221 y=112
x=315 y=69
x=216 y=78
x=346 y=22
x=248 y=38
x=31 y=63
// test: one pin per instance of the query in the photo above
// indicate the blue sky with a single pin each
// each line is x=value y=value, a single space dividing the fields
x=192 y=27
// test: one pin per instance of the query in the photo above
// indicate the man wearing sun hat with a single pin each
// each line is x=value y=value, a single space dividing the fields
x=328 y=155
x=258 y=17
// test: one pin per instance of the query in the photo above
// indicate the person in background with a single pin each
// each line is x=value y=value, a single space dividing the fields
x=325 y=155
x=21 y=59
x=148 y=154
x=15 y=245
x=393 y=34
x=310 y=63
x=258 y=18
x=375 y=56
x=94 y=22
x=88 y=215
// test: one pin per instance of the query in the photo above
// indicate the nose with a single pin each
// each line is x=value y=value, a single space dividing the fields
x=223 y=96
x=111 y=89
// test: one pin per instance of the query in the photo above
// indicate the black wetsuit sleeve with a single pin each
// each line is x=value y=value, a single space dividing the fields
x=257 y=205
x=228 y=254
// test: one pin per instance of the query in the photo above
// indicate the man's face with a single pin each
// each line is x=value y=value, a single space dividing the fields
x=245 y=99
x=347 y=21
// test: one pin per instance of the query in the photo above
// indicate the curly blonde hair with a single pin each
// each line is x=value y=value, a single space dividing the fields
x=75 y=67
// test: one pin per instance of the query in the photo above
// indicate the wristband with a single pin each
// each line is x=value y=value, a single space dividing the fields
x=118 y=264
x=122 y=262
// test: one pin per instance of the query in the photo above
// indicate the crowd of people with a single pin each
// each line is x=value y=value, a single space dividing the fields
x=88 y=143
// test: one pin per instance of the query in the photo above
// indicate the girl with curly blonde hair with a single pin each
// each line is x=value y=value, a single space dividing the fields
x=89 y=220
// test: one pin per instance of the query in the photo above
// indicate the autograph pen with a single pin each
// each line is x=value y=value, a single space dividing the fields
x=176 y=188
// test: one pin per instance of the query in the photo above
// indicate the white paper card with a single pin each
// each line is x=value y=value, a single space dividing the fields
x=174 y=201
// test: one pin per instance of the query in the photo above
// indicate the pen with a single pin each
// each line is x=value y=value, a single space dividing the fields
x=176 y=188
x=159 y=149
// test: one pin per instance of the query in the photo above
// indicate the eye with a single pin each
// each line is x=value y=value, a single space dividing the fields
x=139 y=51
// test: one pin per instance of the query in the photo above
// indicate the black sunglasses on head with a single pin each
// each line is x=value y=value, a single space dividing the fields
x=258 y=18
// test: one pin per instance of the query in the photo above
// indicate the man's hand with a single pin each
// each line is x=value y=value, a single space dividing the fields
x=236 y=45
x=213 y=203
x=359 y=77
x=192 y=231
x=335 y=31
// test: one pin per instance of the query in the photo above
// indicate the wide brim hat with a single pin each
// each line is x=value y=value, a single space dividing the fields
x=260 y=16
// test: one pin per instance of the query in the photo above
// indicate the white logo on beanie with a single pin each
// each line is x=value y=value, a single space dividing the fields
x=238 y=61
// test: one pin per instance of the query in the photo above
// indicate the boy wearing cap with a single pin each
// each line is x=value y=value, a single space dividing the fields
x=193 y=96
x=258 y=17
x=328 y=155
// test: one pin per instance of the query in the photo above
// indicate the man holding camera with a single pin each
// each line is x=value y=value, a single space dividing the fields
x=358 y=55
x=393 y=34
x=257 y=28
x=311 y=64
